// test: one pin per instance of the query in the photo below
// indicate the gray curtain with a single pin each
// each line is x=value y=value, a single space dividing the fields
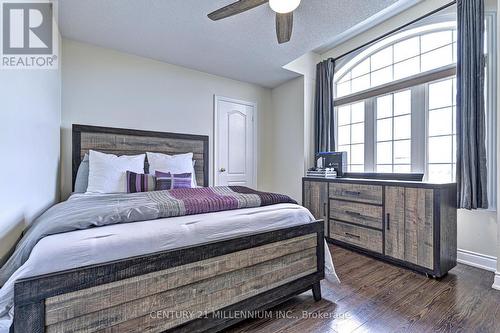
x=323 y=107
x=471 y=146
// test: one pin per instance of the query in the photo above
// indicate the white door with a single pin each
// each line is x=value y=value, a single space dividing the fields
x=234 y=142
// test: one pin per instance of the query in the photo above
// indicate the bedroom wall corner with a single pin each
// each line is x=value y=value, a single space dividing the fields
x=306 y=66
x=287 y=158
x=30 y=146
x=104 y=87
x=293 y=127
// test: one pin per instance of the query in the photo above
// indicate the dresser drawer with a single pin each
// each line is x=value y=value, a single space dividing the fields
x=359 y=213
x=366 y=238
x=357 y=192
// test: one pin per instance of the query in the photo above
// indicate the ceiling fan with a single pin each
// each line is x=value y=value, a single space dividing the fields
x=283 y=8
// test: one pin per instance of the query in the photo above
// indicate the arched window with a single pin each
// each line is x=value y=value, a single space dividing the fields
x=395 y=104
x=402 y=55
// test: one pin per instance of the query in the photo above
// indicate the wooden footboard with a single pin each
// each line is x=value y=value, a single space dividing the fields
x=193 y=289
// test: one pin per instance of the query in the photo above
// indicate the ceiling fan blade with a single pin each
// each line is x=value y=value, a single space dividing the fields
x=235 y=8
x=284 y=27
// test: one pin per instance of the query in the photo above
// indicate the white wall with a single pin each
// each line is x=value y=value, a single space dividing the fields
x=29 y=144
x=477 y=233
x=496 y=283
x=287 y=139
x=306 y=66
x=293 y=127
x=108 y=88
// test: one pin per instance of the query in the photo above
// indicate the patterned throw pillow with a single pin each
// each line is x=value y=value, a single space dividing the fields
x=138 y=182
x=168 y=181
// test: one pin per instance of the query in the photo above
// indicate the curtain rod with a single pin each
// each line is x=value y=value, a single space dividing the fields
x=397 y=29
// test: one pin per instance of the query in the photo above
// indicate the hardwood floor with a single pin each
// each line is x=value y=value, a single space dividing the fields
x=378 y=297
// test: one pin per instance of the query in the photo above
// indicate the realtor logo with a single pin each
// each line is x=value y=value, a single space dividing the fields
x=28 y=34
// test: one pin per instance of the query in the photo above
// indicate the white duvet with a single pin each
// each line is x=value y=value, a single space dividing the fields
x=99 y=245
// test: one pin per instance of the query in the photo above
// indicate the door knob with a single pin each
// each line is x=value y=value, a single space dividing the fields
x=222 y=170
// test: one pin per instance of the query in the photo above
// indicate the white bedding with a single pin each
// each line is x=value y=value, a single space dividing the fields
x=99 y=245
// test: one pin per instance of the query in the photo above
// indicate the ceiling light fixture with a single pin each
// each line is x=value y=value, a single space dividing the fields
x=284 y=6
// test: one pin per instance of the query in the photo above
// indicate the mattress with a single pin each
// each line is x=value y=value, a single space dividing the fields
x=99 y=245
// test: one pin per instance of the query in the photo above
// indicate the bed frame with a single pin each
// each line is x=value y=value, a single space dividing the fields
x=121 y=141
x=200 y=288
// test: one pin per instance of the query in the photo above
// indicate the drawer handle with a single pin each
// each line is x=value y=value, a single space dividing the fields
x=352 y=235
x=388 y=220
x=324 y=208
x=355 y=193
x=348 y=212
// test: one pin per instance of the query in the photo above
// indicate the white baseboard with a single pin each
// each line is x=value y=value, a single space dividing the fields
x=478 y=260
x=496 y=283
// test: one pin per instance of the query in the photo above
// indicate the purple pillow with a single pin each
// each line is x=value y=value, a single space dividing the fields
x=168 y=181
x=138 y=182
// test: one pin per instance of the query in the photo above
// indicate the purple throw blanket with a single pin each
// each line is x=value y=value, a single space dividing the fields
x=88 y=211
x=213 y=199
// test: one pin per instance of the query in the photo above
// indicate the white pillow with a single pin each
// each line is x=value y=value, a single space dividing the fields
x=194 y=176
x=107 y=172
x=182 y=163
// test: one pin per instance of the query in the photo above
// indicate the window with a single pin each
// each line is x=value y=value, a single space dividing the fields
x=392 y=81
x=393 y=139
x=403 y=59
x=395 y=103
x=441 y=131
x=351 y=134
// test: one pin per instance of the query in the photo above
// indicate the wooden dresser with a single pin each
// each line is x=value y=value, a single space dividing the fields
x=412 y=224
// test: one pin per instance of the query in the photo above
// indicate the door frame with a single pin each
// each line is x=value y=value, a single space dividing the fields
x=217 y=99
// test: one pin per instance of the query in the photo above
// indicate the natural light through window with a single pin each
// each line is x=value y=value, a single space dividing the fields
x=400 y=60
x=395 y=104
x=442 y=130
x=394 y=132
x=351 y=134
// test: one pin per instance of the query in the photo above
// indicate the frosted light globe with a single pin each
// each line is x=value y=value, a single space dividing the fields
x=284 y=6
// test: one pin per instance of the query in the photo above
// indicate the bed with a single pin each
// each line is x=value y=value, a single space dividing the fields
x=195 y=273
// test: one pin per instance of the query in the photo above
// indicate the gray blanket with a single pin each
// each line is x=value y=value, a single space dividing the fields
x=85 y=212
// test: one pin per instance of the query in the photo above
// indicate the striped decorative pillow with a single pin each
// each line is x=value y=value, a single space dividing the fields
x=168 y=181
x=138 y=182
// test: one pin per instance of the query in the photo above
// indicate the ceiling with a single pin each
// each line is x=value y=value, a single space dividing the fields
x=242 y=47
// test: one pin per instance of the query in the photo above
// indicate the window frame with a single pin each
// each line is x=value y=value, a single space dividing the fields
x=418 y=84
x=350 y=124
x=393 y=140
x=427 y=122
x=390 y=42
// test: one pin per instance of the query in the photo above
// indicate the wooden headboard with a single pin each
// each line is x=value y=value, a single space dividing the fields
x=120 y=141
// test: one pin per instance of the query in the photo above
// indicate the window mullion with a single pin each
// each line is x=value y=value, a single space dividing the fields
x=418 y=128
x=370 y=134
x=392 y=138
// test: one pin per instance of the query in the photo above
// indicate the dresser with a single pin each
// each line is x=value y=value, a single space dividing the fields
x=411 y=224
